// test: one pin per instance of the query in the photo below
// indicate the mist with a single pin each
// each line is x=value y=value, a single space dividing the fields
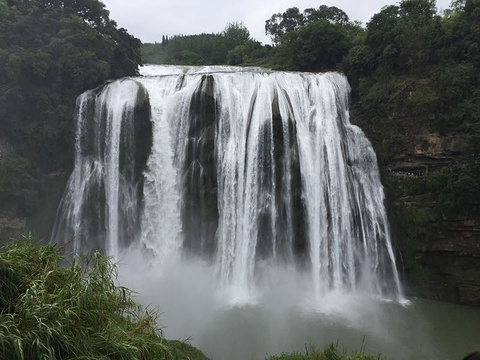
x=281 y=315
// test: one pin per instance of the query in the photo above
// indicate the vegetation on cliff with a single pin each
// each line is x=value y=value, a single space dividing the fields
x=416 y=82
x=50 y=52
x=49 y=311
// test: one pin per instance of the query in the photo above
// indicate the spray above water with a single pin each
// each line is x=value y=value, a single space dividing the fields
x=240 y=167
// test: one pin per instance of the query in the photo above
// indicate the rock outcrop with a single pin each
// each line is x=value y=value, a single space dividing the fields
x=440 y=249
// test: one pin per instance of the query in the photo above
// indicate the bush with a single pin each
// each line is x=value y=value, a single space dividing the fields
x=52 y=312
x=319 y=46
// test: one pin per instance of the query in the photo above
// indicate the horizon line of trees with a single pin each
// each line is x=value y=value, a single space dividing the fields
x=233 y=45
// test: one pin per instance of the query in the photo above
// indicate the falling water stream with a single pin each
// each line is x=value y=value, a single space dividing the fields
x=244 y=202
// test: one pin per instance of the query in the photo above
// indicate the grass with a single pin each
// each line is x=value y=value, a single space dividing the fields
x=329 y=352
x=49 y=311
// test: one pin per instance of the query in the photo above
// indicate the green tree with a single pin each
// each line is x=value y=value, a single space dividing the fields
x=320 y=45
x=236 y=34
x=381 y=36
x=359 y=61
x=209 y=49
x=50 y=52
x=292 y=19
x=273 y=28
x=237 y=55
x=328 y=13
x=188 y=57
x=279 y=24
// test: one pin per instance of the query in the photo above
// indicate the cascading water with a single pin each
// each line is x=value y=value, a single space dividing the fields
x=100 y=205
x=241 y=167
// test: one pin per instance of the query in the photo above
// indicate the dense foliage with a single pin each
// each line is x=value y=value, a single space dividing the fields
x=292 y=19
x=48 y=311
x=231 y=46
x=312 y=40
x=419 y=72
x=320 y=45
x=51 y=51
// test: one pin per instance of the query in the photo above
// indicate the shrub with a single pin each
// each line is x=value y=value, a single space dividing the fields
x=48 y=311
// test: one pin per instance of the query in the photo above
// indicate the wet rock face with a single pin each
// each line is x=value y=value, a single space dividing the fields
x=418 y=165
x=200 y=212
x=429 y=152
x=440 y=249
x=451 y=258
x=459 y=242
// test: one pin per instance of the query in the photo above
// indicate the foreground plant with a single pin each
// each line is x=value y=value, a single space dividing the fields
x=48 y=311
x=329 y=352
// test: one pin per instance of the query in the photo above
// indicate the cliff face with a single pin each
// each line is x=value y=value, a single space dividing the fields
x=440 y=249
x=452 y=257
x=441 y=256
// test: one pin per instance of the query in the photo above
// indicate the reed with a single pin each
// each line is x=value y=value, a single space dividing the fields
x=51 y=311
x=329 y=352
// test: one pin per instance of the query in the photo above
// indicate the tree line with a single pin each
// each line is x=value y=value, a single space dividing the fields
x=231 y=46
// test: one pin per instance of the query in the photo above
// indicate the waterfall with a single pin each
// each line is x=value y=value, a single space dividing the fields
x=238 y=166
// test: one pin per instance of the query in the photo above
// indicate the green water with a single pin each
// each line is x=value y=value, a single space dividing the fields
x=422 y=330
x=285 y=318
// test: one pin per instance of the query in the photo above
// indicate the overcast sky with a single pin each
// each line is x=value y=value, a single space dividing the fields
x=148 y=20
